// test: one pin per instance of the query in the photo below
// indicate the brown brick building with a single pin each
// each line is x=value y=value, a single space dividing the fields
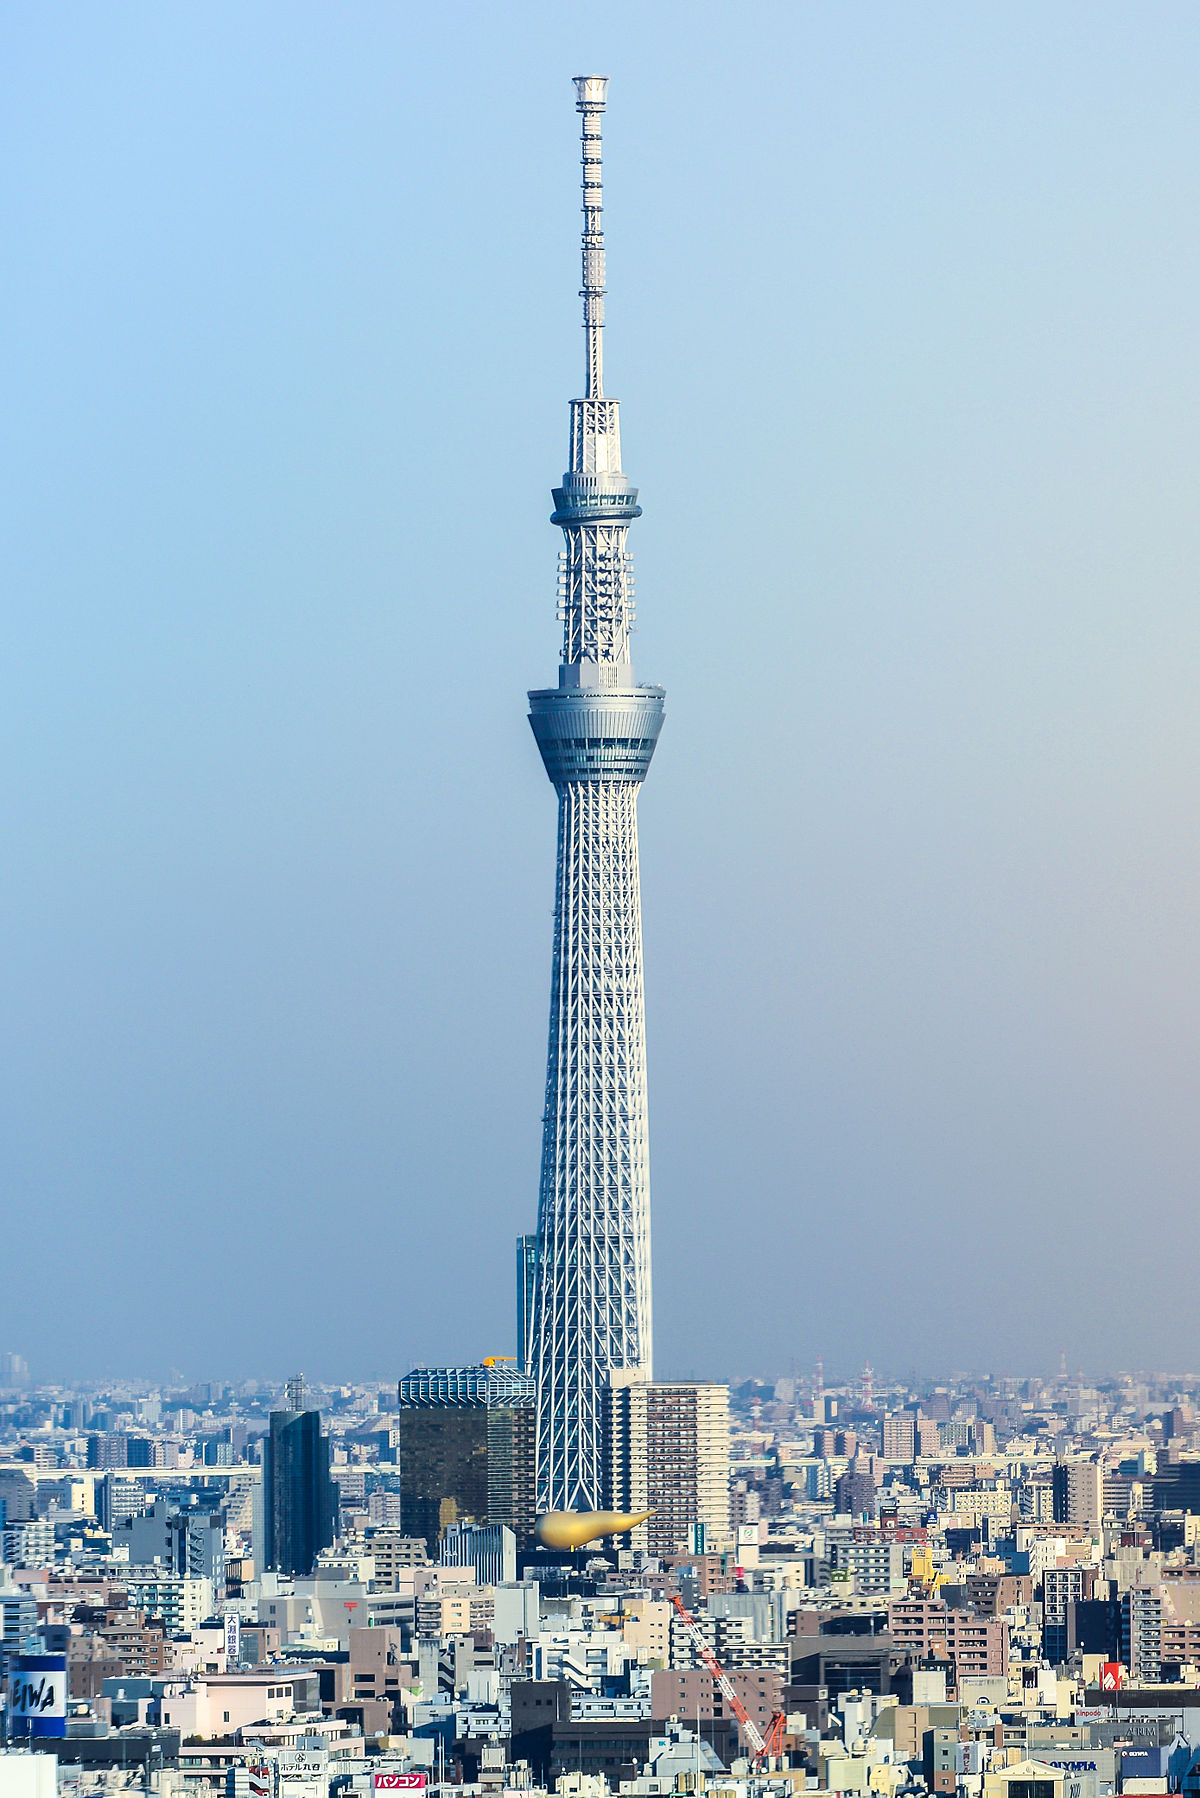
x=924 y=1628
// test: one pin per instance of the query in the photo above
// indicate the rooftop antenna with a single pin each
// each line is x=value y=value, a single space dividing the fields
x=591 y=93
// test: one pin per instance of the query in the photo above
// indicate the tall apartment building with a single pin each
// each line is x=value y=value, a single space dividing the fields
x=922 y=1627
x=1061 y=1588
x=666 y=1448
x=926 y=1440
x=18 y=1619
x=28 y=1544
x=900 y=1437
x=873 y=1566
x=118 y=1499
x=383 y=1510
x=467 y=1443
x=1035 y=1498
x=182 y=1603
x=1079 y=1493
x=854 y=1494
x=392 y=1551
x=1142 y=1633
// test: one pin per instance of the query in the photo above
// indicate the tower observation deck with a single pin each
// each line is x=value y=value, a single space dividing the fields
x=596 y=732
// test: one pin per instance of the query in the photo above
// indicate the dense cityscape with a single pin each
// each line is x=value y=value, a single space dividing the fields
x=553 y=1571
x=904 y=1587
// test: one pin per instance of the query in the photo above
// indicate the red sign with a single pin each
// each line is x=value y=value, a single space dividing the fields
x=1110 y=1676
x=399 y=1782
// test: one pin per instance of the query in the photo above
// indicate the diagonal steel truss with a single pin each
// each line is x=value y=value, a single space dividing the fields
x=594 y=1220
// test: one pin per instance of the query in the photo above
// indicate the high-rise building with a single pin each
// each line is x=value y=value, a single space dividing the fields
x=900 y=1437
x=666 y=1448
x=466 y=1448
x=1079 y=1493
x=299 y=1503
x=854 y=1494
x=596 y=732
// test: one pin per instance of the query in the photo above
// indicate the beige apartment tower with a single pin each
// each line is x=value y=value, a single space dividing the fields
x=1079 y=1494
x=666 y=1449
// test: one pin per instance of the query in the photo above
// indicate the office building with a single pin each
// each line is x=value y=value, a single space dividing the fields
x=596 y=732
x=666 y=1448
x=118 y=1499
x=299 y=1501
x=490 y=1548
x=190 y=1543
x=466 y=1448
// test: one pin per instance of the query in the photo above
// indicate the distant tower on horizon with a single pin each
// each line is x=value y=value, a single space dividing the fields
x=591 y=1322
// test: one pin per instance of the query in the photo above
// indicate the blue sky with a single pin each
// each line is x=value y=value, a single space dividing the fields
x=903 y=319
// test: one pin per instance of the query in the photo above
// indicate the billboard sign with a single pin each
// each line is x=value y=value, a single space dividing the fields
x=398 y=1782
x=233 y=1640
x=37 y=1695
x=1110 y=1676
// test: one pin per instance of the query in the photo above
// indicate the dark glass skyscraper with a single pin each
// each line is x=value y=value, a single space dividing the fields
x=466 y=1449
x=299 y=1507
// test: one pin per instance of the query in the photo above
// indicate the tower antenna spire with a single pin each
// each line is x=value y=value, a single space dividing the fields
x=590 y=99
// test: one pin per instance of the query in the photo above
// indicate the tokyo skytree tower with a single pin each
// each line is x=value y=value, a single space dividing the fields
x=596 y=731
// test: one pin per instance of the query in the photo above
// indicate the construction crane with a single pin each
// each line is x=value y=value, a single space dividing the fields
x=764 y=1746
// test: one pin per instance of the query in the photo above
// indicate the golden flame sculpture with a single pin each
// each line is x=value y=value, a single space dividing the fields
x=572 y=1529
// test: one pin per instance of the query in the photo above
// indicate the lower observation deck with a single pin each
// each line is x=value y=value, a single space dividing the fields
x=596 y=734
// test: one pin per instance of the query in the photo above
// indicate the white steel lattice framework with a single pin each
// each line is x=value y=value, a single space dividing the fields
x=597 y=731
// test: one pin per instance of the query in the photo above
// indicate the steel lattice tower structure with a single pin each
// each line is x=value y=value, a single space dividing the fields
x=596 y=731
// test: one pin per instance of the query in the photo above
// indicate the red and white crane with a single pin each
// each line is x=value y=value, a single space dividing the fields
x=763 y=1746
